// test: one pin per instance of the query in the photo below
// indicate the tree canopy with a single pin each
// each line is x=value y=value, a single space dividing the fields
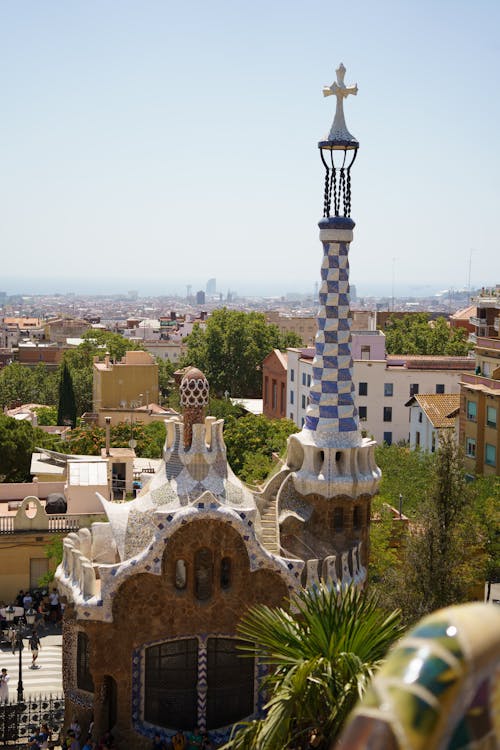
x=231 y=348
x=251 y=441
x=451 y=546
x=416 y=334
x=17 y=442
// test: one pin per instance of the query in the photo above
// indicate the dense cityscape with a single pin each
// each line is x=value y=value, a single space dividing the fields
x=264 y=514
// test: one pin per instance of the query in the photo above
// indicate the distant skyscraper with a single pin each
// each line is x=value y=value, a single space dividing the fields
x=200 y=297
x=211 y=287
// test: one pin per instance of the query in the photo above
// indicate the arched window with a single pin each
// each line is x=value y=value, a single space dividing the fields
x=356 y=517
x=338 y=519
x=171 y=684
x=230 y=681
x=225 y=573
x=180 y=574
x=83 y=674
x=203 y=573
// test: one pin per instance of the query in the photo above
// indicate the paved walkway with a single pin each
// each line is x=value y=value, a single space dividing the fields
x=42 y=681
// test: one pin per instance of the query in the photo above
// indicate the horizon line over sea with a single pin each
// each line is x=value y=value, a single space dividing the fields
x=26 y=286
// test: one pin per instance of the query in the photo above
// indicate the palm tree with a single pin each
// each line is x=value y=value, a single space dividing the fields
x=321 y=656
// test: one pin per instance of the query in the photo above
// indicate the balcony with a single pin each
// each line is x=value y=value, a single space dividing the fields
x=480 y=380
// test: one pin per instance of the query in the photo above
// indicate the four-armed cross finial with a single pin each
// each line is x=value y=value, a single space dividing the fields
x=338 y=89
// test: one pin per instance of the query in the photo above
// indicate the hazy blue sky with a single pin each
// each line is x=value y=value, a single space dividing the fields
x=153 y=144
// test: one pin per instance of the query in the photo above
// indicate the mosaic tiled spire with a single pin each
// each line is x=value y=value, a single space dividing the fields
x=332 y=411
x=331 y=401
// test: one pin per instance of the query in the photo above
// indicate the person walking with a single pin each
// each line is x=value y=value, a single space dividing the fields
x=4 y=686
x=35 y=645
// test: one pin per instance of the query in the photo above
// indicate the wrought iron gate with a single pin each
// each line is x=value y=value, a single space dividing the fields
x=19 y=721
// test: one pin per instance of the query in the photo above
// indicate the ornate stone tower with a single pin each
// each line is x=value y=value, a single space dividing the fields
x=325 y=500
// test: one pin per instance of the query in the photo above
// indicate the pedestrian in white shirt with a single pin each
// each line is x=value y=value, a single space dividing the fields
x=4 y=686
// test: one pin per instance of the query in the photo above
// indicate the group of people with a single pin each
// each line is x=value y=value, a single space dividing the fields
x=73 y=738
x=195 y=740
x=46 y=604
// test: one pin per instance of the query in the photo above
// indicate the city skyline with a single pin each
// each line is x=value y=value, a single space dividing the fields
x=163 y=145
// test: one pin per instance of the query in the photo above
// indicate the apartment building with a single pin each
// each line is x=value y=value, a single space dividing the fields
x=384 y=384
x=479 y=427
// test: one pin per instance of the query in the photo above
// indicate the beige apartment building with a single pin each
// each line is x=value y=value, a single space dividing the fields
x=125 y=385
x=479 y=430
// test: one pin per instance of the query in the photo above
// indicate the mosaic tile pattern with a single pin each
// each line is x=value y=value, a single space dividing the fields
x=439 y=688
x=331 y=399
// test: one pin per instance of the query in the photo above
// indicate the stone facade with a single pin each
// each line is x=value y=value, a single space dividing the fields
x=149 y=609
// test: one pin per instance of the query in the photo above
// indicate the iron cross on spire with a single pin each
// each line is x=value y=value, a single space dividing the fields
x=338 y=131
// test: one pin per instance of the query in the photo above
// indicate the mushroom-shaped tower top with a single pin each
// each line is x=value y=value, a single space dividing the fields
x=194 y=389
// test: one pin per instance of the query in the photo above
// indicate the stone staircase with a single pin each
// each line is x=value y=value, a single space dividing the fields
x=270 y=532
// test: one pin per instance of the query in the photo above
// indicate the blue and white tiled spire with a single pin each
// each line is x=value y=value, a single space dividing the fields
x=332 y=408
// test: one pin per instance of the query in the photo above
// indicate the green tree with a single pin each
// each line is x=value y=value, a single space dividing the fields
x=46 y=415
x=166 y=371
x=251 y=441
x=321 y=659
x=231 y=348
x=444 y=555
x=90 y=440
x=66 y=410
x=16 y=446
x=17 y=384
x=416 y=334
x=54 y=552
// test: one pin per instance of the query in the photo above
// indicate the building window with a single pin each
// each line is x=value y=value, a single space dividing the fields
x=433 y=442
x=180 y=574
x=308 y=381
x=304 y=378
x=282 y=399
x=417 y=439
x=275 y=395
x=171 y=683
x=470 y=447
x=84 y=679
x=292 y=375
x=171 y=678
x=230 y=683
x=365 y=352
x=491 y=416
x=303 y=401
x=413 y=389
x=387 y=413
x=291 y=397
x=388 y=389
x=490 y=455
x=388 y=438
x=363 y=389
x=471 y=411
x=363 y=412
x=203 y=573
x=439 y=387
x=338 y=519
x=225 y=573
x=356 y=517
x=420 y=416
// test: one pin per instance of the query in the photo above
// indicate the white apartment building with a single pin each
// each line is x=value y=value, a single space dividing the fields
x=384 y=384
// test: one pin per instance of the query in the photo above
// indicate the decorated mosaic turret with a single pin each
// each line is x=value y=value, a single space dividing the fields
x=325 y=502
x=194 y=392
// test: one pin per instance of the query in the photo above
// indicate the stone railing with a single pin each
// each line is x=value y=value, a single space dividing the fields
x=31 y=517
